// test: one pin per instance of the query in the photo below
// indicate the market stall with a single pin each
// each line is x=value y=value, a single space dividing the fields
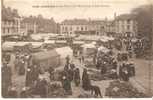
x=64 y=52
x=76 y=47
x=103 y=49
x=10 y=46
x=88 y=49
x=46 y=59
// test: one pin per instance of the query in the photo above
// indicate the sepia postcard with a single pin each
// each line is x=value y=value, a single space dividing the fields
x=76 y=49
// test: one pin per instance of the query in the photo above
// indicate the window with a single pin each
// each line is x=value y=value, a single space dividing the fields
x=102 y=27
x=16 y=22
x=128 y=27
x=81 y=28
x=86 y=28
x=63 y=28
x=7 y=23
x=66 y=29
x=17 y=30
x=77 y=28
x=3 y=30
x=123 y=27
x=8 y=31
x=128 y=21
x=70 y=28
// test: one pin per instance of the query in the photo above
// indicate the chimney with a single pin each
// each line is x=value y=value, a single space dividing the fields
x=115 y=15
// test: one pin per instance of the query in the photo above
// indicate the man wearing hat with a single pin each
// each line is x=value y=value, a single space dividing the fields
x=28 y=77
x=6 y=78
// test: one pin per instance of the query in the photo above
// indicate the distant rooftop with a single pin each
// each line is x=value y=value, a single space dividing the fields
x=9 y=14
x=29 y=20
x=82 y=22
x=125 y=17
x=75 y=22
x=95 y=22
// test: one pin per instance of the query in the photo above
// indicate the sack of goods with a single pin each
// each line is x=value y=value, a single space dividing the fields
x=56 y=91
x=118 y=89
x=86 y=95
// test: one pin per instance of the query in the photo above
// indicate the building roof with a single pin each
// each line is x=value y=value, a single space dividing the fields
x=97 y=22
x=110 y=23
x=29 y=20
x=75 y=22
x=125 y=17
x=9 y=14
x=82 y=22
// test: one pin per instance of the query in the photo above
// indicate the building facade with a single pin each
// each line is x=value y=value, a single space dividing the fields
x=126 y=25
x=110 y=27
x=10 y=22
x=82 y=26
x=98 y=27
x=28 y=26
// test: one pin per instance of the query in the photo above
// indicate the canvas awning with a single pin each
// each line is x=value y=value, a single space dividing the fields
x=10 y=45
x=88 y=46
x=45 y=55
x=78 y=42
x=64 y=52
x=103 y=49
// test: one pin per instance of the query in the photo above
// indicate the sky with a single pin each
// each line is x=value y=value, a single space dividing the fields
x=107 y=8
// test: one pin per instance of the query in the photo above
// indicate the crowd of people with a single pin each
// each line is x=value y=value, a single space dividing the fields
x=35 y=83
x=116 y=67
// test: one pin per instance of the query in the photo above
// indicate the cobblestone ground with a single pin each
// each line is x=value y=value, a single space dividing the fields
x=78 y=90
x=19 y=81
x=141 y=80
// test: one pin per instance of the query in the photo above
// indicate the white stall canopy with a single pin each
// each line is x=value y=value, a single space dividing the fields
x=9 y=46
x=88 y=45
x=103 y=49
x=64 y=52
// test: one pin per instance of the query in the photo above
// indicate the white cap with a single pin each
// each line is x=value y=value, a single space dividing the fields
x=28 y=69
x=64 y=77
x=24 y=88
x=113 y=70
x=40 y=77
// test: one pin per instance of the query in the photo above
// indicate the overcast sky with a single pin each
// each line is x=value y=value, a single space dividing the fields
x=25 y=8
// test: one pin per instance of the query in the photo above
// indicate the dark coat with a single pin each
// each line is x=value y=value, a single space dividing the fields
x=66 y=84
x=41 y=88
x=35 y=73
x=6 y=75
x=70 y=74
x=22 y=70
x=86 y=83
x=29 y=78
x=77 y=77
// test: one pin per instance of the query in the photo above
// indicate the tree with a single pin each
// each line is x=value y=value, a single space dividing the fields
x=144 y=16
x=40 y=16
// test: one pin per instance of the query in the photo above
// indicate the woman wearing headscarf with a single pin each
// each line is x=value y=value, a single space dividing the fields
x=86 y=83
